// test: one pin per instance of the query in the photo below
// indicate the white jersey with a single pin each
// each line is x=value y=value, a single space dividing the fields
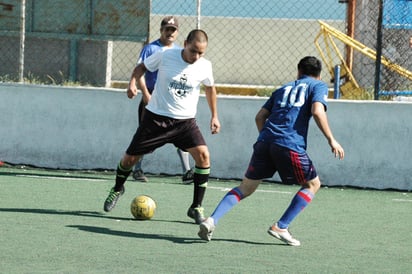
x=177 y=88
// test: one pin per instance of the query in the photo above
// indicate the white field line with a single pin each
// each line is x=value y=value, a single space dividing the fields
x=62 y=178
x=225 y=189
x=402 y=200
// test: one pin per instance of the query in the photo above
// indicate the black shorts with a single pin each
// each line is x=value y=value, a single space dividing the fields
x=155 y=131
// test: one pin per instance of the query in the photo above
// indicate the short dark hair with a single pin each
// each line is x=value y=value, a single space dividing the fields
x=310 y=66
x=197 y=34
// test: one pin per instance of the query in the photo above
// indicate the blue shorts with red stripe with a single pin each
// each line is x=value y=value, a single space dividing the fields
x=267 y=159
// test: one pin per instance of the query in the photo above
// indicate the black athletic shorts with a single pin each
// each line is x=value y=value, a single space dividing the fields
x=155 y=131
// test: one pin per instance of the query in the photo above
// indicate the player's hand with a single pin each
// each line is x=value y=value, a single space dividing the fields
x=337 y=149
x=131 y=92
x=215 y=126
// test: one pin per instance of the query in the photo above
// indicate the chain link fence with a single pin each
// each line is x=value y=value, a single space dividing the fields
x=254 y=45
x=383 y=64
x=396 y=47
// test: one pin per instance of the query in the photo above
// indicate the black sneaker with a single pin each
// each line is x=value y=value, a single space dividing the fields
x=111 y=200
x=187 y=178
x=196 y=214
x=138 y=175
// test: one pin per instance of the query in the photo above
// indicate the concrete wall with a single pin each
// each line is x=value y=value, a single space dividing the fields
x=85 y=128
x=59 y=60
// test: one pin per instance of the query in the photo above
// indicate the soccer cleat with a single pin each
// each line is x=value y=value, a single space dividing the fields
x=196 y=214
x=206 y=229
x=138 y=175
x=111 y=200
x=187 y=178
x=283 y=235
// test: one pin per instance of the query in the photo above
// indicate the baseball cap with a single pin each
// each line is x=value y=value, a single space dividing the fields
x=169 y=21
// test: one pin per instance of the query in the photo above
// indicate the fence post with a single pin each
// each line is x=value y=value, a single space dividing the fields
x=199 y=4
x=336 y=83
x=22 y=40
x=378 y=62
x=74 y=44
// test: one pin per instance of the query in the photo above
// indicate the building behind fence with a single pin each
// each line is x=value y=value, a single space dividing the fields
x=252 y=43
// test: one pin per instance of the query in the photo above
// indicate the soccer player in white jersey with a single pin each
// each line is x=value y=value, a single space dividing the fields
x=170 y=115
x=283 y=123
x=169 y=30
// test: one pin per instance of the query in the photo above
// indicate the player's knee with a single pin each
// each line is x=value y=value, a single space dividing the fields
x=129 y=161
x=314 y=184
x=204 y=157
x=201 y=156
x=248 y=186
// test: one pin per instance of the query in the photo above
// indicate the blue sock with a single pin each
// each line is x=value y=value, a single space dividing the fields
x=298 y=203
x=230 y=200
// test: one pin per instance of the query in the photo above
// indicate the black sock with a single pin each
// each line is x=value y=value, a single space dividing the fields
x=121 y=177
x=200 y=180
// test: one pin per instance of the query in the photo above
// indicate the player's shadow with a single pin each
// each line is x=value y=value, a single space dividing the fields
x=103 y=230
x=82 y=213
x=95 y=214
x=174 y=239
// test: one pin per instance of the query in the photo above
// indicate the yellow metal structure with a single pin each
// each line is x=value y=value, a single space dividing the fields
x=350 y=87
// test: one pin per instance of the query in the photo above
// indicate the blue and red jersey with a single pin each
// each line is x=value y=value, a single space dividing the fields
x=290 y=112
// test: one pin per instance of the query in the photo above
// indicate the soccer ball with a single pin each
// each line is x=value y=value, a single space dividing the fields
x=143 y=207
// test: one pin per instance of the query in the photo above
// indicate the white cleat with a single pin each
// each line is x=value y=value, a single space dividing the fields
x=206 y=229
x=283 y=235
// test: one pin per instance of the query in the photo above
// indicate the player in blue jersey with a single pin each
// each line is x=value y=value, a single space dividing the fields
x=283 y=123
x=169 y=29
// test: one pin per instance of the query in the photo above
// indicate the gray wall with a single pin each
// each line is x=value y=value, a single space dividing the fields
x=85 y=128
x=50 y=60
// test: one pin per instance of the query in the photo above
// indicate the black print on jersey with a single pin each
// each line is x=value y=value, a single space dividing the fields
x=180 y=88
